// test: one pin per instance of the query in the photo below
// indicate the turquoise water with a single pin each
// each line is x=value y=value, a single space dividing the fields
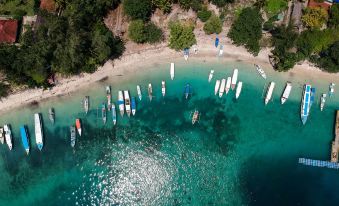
x=240 y=153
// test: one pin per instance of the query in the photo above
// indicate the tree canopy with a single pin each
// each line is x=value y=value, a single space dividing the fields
x=204 y=14
x=138 y=9
x=196 y=5
x=140 y=32
x=164 y=5
x=221 y=3
x=213 y=25
x=329 y=58
x=181 y=36
x=333 y=20
x=314 y=17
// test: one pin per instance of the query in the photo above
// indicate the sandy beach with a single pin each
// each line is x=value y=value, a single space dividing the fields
x=150 y=55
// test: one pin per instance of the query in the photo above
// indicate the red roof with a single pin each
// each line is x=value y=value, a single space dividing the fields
x=48 y=5
x=8 y=30
x=313 y=4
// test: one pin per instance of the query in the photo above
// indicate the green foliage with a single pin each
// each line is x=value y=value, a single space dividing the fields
x=333 y=20
x=314 y=17
x=213 y=25
x=268 y=25
x=3 y=90
x=181 y=36
x=221 y=3
x=204 y=14
x=140 y=32
x=15 y=7
x=138 y=9
x=154 y=33
x=274 y=7
x=196 y=5
x=329 y=59
x=164 y=5
x=246 y=29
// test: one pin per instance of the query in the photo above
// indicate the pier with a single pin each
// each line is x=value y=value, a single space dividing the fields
x=335 y=143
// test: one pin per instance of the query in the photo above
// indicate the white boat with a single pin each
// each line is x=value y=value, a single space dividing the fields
x=238 y=90
x=8 y=136
x=139 y=92
x=2 y=135
x=286 y=92
x=121 y=103
x=228 y=84
x=211 y=75
x=322 y=101
x=234 y=79
x=216 y=87
x=38 y=131
x=186 y=54
x=114 y=114
x=172 y=70
x=86 y=104
x=127 y=103
x=109 y=97
x=331 y=90
x=150 y=92
x=269 y=92
x=221 y=50
x=260 y=71
x=305 y=103
x=222 y=87
x=163 y=88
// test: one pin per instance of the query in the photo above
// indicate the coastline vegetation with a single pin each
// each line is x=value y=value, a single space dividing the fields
x=181 y=35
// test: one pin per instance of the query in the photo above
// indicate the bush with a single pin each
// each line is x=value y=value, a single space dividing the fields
x=268 y=25
x=181 y=36
x=196 y=5
x=213 y=25
x=204 y=14
x=138 y=9
x=314 y=17
x=221 y=3
x=153 y=33
x=3 y=90
x=164 y=5
x=140 y=32
x=333 y=20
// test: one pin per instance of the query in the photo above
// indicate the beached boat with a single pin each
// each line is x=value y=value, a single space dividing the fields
x=216 y=43
x=222 y=87
x=195 y=117
x=127 y=103
x=109 y=97
x=172 y=70
x=24 y=138
x=8 y=136
x=186 y=54
x=322 y=101
x=331 y=90
x=163 y=88
x=260 y=71
x=228 y=84
x=216 y=87
x=187 y=90
x=51 y=115
x=133 y=105
x=2 y=135
x=238 y=90
x=121 y=103
x=305 y=103
x=78 y=126
x=210 y=76
x=312 y=99
x=139 y=92
x=103 y=113
x=221 y=50
x=234 y=79
x=286 y=92
x=73 y=135
x=86 y=104
x=38 y=131
x=114 y=114
x=150 y=92
x=269 y=92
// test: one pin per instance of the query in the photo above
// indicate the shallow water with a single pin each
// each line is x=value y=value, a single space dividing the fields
x=240 y=153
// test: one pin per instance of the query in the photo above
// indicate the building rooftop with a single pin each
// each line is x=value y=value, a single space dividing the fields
x=325 y=5
x=48 y=5
x=8 y=30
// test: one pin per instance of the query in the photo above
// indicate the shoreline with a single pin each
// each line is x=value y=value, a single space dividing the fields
x=159 y=54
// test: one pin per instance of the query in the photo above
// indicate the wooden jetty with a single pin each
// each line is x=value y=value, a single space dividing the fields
x=335 y=143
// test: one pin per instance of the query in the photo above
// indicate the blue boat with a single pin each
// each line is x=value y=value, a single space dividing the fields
x=187 y=90
x=133 y=105
x=312 y=96
x=24 y=138
x=216 y=43
x=305 y=104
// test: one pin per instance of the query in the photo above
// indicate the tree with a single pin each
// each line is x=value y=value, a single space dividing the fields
x=196 y=5
x=221 y=3
x=329 y=59
x=314 y=17
x=204 y=14
x=181 y=36
x=333 y=20
x=3 y=90
x=138 y=9
x=154 y=34
x=140 y=32
x=213 y=25
x=164 y=5
x=246 y=29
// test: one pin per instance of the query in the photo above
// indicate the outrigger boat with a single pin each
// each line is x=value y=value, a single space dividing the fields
x=234 y=79
x=269 y=92
x=8 y=136
x=25 y=138
x=286 y=92
x=73 y=135
x=103 y=112
x=238 y=90
x=150 y=92
x=139 y=92
x=163 y=88
x=114 y=114
x=195 y=117
x=2 y=136
x=78 y=126
x=121 y=103
x=187 y=90
x=38 y=131
x=127 y=103
x=216 y=87
x=210 y=76
x=109 y=97
x=51 y=115
x=133 y=105
x=172 y=70
x=186 y=54
x=305 y=104
x=86 y=104
x=222 y=87
x=260 y=71
x=322 y=101
x=331 y=90
x=228 y=84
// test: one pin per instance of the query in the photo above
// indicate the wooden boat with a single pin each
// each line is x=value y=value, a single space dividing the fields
x=228 y=84
x=109 y=97
x=163 y=88
x=322 y=101
x=2 y=135
x=187 y=90
x=51 y=115
x=331 y=90
x=127 y=103
x=234 y=79
x=195 y=117
x=260 y=71
x=222 y=87
x=238 y=90
x=73 y=135
x=121 y=103
x=38 y=131
x=25 y=138
x=86 y=104
x=78 y=126
x=286 y=93
x=150 y=92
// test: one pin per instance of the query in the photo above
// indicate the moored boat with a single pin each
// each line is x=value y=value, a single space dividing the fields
x=38 y=131
x=234 y=78
x=163 y=88
x=195 y=117
x=187 y=90
x=331 y=90
x=172 y=70
x=150 y=92
x=216 y=87
x=222 y=87
x=51 y=115
x=186 y=54
x=24 y=138
x=305 y=103
x=8 y=136
x=312 y=99
x=139 y=92
x=127 y=103
x=322 y=101
x=210 y=76
x=109 y=97
x=260 y=71
x=221 y=50
x=228 y=84
x=286 y=92
x=269 y=92
x=133 y=105
x=114 y=114
x=2 y=135
x=121 y=103
x=238 y=90
x=103 y=113
x=78 y=126
x=216 y=43
x=73 y=135
x=86 y=104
